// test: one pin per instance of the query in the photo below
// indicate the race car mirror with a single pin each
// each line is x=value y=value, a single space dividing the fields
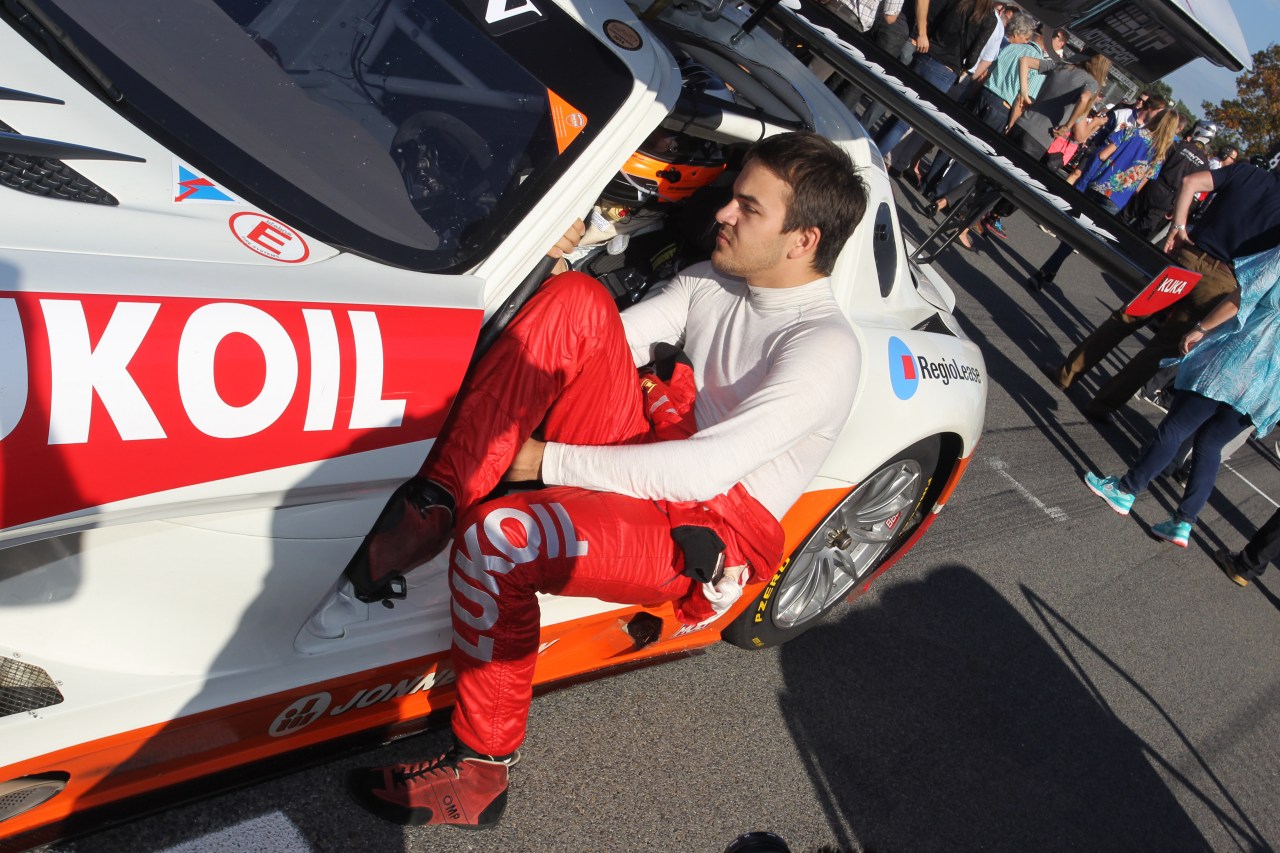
x=1164 y=290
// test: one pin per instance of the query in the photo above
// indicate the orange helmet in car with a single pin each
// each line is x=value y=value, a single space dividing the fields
x=668 y=167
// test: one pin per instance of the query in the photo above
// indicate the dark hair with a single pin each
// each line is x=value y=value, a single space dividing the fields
x=826 y=191
x=975 y=10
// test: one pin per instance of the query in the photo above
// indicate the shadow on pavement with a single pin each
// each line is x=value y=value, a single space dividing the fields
x=942 y=719
x=1036 y=333
x=1047 y=409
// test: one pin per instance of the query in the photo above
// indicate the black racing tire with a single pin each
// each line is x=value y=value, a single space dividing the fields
x=841 y=552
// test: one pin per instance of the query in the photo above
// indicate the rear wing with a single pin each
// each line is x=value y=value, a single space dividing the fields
x=1045 y=197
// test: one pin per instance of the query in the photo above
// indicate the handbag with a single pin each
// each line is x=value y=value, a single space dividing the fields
x=1064 y=145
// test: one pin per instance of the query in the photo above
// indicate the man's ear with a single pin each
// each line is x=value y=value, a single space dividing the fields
x=804 y=242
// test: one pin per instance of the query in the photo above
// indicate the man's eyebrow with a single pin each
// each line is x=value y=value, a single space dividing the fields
x=749 y=199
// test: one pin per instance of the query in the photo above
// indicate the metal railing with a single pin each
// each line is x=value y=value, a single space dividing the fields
x=1001 y=165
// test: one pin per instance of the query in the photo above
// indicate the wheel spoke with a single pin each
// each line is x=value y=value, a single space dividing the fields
x=849 y=544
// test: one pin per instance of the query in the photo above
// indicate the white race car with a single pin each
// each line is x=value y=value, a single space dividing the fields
x=249 y=247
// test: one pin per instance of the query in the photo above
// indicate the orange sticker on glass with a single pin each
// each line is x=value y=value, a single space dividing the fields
x=567 y=120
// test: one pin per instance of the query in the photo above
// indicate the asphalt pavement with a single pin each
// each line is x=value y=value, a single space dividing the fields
x=1037 y=674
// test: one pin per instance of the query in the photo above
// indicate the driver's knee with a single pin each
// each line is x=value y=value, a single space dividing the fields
x=584 y=293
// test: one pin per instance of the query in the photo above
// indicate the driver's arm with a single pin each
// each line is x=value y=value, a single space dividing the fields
x=805 y=394
x=565 y=245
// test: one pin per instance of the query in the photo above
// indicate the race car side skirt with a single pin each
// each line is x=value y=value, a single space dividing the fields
x=153 y=767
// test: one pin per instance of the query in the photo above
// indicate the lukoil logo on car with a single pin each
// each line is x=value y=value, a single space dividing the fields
x=126 y=397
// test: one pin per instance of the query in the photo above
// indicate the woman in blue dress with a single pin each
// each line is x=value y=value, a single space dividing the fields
x=1131 y=156
x=1228 y=379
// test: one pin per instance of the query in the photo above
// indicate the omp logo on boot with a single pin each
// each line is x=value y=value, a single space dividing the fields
x=902 y=369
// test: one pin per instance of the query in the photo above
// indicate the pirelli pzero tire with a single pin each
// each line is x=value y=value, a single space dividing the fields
x=844 y=549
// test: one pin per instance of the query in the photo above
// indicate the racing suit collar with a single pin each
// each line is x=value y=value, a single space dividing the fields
x=780 y=299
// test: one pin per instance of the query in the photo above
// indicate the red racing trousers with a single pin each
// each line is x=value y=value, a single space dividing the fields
x=563 y=368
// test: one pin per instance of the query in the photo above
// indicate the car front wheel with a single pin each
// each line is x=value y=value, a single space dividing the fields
x=843 y=550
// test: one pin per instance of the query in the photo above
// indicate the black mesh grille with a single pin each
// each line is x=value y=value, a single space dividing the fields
x=51 y=178
x=24 y=687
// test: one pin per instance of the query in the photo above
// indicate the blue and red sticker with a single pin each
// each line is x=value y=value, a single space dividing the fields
x=192 y=187
x=902 y=369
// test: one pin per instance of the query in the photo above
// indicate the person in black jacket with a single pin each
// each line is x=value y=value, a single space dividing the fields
x=1152 y=208
x=949 y=38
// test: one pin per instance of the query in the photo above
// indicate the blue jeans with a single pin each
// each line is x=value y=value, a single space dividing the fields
x=936 y=75
x=1210 y=424
x=904 y=53
x=994 y=114
x=964 y=93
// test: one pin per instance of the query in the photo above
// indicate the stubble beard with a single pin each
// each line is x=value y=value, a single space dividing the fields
x=727 y=261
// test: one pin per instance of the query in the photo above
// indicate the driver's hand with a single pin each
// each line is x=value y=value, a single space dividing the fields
x=567 y=244
x=527 y=466
x=569 y=241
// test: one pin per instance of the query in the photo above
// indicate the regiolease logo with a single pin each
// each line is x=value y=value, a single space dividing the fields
x=902 y=369
x=906 y=370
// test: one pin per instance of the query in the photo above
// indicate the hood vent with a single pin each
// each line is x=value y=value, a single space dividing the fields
x=24 y=687
x=50 y=178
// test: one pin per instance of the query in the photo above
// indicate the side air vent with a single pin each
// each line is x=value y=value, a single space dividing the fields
x=22 y=795
x=24 y=687
x=50 y=178
x=934 y=324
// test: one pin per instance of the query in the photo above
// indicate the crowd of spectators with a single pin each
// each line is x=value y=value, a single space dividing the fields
x=1138 y=161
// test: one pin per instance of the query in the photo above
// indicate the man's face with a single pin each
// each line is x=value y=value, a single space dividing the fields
x=1230 y=158
x=750 y=243
x=1059 y=43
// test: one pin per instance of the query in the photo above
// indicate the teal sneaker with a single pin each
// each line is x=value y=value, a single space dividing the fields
x=1108 y=488
x=1172 y=530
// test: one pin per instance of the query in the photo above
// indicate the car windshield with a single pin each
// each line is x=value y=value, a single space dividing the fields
x=412 y=131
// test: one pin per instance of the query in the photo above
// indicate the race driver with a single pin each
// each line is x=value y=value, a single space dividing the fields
x=773 y=360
